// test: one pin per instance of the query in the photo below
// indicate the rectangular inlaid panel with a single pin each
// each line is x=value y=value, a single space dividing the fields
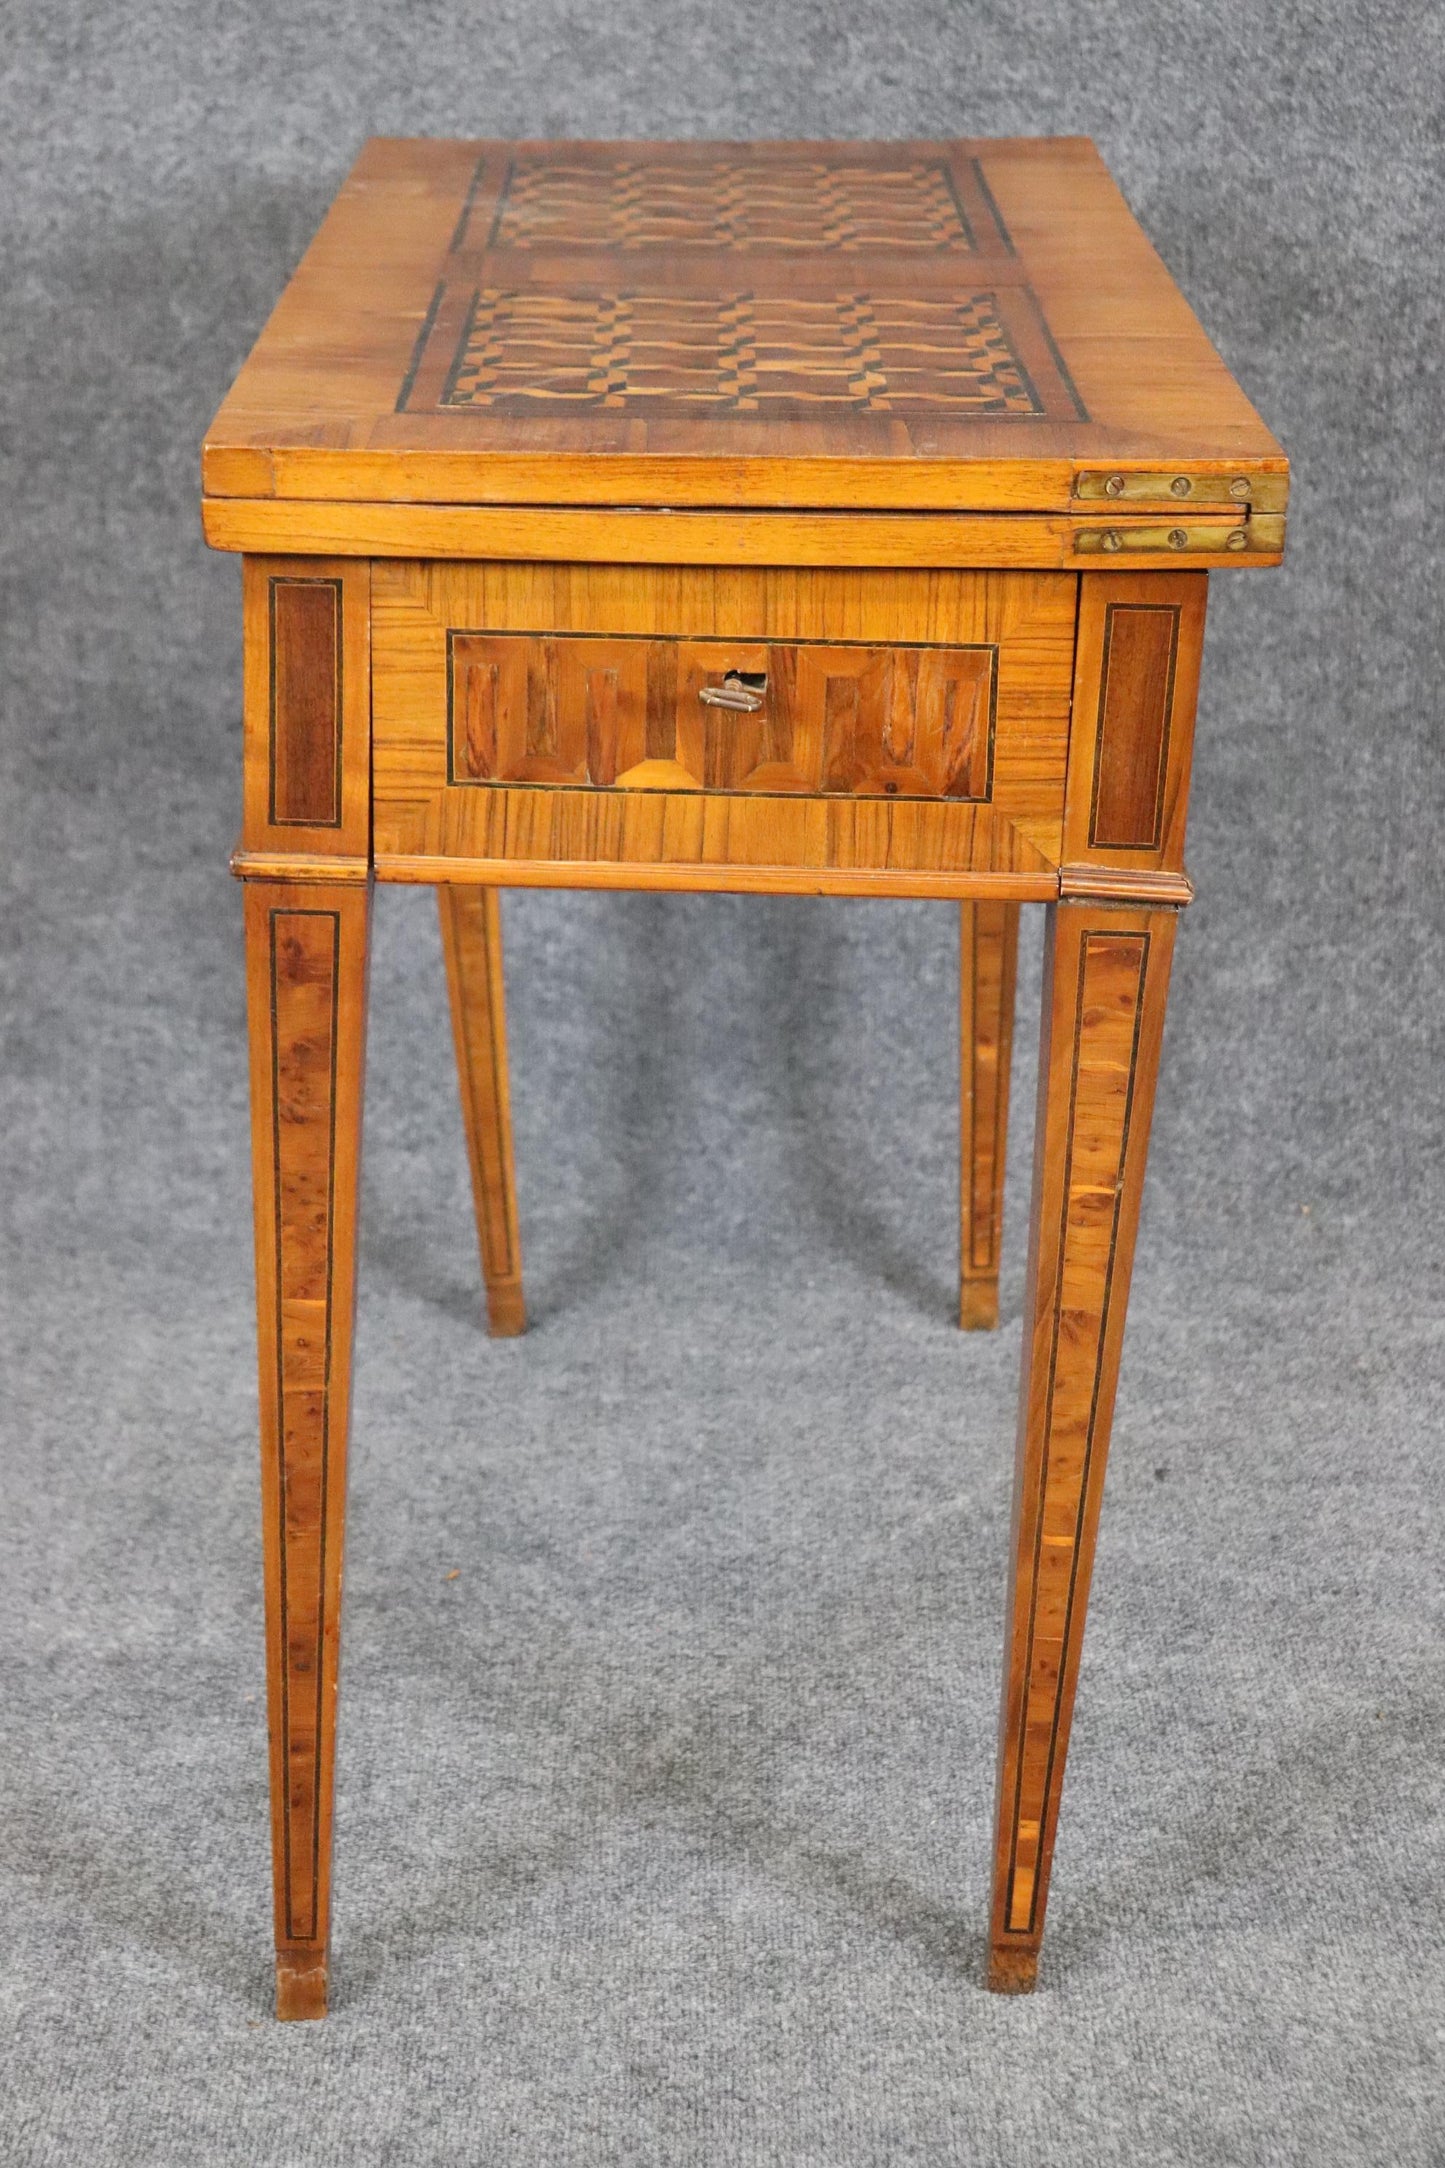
x=634 y=713
x=525 y=349
x=915 y=692
x=630 y=199
x=1136 y=680
x=305 y=703
x=1141 y=642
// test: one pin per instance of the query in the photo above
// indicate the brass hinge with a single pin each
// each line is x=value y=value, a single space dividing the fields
x=1194 y=537
x=1200 y=534
x=1124 y=485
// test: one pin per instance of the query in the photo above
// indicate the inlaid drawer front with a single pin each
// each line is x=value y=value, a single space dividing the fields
x=640 y=714
x=859 y=722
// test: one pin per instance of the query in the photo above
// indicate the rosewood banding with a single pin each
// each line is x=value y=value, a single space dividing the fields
x=1141 y=646
x=305 y=703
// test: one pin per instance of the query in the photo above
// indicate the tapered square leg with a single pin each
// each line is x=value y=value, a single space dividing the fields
x=471 y=920
x=1106 y=977
x=306 y=947
x=988 y=968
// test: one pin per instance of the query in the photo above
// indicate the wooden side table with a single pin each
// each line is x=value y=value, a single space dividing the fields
x=818 y=518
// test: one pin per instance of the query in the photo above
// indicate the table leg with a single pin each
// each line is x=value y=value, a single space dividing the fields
x=1106 y=976
x=471 y=921
x=988 y=967
x=306 y=946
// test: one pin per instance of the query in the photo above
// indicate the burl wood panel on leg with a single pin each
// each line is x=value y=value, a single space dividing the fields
x=306 y=979
x=818 y=519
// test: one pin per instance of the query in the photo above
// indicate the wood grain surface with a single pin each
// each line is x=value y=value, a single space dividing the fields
x=471 y=923
x=616 y=535
x=910 y=326
x=306 y=982
x=545 y=447
x=928 y=638
x=988 y=936
x=307 y=706
x=1106 y=978
x=1136 y=683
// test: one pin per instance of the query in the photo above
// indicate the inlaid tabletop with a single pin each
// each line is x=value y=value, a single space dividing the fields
x=902 y=325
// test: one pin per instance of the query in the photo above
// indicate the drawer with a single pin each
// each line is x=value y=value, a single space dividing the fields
x=632 y=713
x=514 y=704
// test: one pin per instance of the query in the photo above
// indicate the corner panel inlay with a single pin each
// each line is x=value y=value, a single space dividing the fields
x=305 y=703
x=1136 y=682
x=307 y=776
x=1141 y=643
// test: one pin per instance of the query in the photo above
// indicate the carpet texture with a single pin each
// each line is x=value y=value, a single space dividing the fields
x=664 y=1824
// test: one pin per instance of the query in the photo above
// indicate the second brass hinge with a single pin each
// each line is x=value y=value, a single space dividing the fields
x=1193 y=537
x=1154 y=485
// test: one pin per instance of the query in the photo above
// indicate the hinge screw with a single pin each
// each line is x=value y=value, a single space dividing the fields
x=1178 y=538
x=1180 y=486
x=1236 y=541
x=1239 y=487
x=1112 y=539
x=1114 y=487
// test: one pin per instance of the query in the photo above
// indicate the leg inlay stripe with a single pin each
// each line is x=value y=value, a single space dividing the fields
x=305 y=957
x=1108 y=1013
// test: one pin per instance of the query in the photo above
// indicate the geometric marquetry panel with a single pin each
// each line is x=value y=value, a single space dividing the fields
x=737 y=353
x=674 y=284
x=636 y=201
x=913 y=722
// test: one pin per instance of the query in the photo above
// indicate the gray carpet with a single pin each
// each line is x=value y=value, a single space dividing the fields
x=664 y=1824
